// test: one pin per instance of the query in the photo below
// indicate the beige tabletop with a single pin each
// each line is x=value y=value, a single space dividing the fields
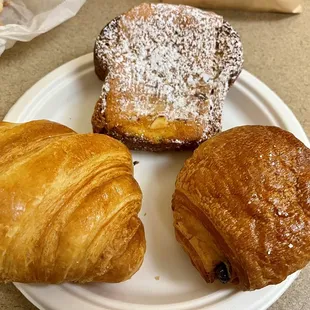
x=277 y=50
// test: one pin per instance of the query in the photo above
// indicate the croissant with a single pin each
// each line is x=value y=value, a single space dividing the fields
x=242 y=206
x=69 y=206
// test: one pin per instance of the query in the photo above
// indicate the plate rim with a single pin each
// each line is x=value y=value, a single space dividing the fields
x=246 y=80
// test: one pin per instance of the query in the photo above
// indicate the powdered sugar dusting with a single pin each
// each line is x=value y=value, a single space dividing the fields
x=174 y=61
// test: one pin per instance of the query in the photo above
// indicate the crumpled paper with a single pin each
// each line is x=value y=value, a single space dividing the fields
x=283 y=6
x=24 y=20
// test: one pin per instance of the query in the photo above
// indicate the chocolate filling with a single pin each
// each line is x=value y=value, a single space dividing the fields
x=222 y=272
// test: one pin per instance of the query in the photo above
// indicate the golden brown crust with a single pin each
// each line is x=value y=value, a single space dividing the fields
x=137 y=142
x=150 y=124
x=245 y=195
x=69 y=206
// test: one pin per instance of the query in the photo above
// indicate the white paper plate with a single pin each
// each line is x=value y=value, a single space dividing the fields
x=68 y=95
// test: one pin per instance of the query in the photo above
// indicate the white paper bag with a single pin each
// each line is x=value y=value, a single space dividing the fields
x=23 y=20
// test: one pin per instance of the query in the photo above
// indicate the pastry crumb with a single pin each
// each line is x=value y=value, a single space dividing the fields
x=135 y=162
x=157 y=278
x=144 y=214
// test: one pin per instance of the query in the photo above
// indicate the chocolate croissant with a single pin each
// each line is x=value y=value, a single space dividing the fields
x=242 y=206
x=69 y=206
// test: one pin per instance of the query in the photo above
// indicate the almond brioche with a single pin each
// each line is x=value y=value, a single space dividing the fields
x=166 y=72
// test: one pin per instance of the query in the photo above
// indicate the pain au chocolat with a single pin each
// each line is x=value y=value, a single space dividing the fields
x=242 y=206
x=166 y=70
